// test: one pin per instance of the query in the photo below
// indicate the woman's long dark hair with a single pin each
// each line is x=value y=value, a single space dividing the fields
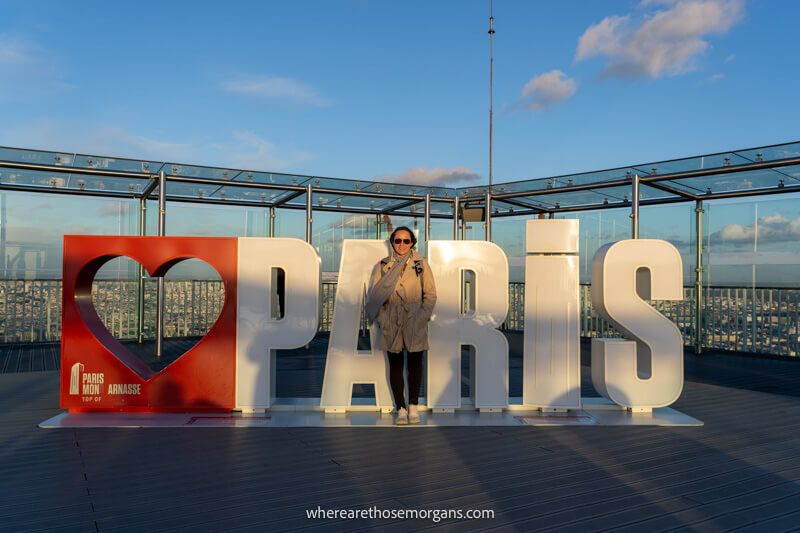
x=404 y=228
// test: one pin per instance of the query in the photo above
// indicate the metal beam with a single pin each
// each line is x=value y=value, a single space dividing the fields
x=162 y=204
x=522 y=204
x=150 y=187
x=349 y=210
x=309 y=212
x=301 y=189
x=698 y=272
x=793 y=189
x=554 y=190
x=162 y=227
x=516 y=214
x=369 y=194
x=3 y=235
x=663 y=201
x=74 y=170
x=455 y=219
x=226 y=183
x=140 y=292
x=401 y=205
x=427 y=219
x=289 y=198
x=752 y=192
x=488 y=216
x=58 y=190
x=272 y=221
x=723 y=170
x=671 y=190
x=646 y=179
x=617 y=205
x=635 y=207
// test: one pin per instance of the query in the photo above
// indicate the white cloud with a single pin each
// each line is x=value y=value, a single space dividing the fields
x=736 y=232
x=716 y=77
x=28 y=71
x=115 y=140
x=250 y=151
x=604 y=38
x=770 y=228
x=777 y=218
x=665 y=43
x=13 y=52
x=435 y=177
x=101 y=139
x=547 y=89
x=276 y=89
x=237 y=149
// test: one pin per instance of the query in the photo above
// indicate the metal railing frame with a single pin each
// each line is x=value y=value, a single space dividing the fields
x=761 y=320
x=160 y=180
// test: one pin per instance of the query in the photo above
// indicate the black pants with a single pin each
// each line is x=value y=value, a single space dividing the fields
x=396 y=377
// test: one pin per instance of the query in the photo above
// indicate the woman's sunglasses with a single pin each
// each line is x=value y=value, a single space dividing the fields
x=402 y=241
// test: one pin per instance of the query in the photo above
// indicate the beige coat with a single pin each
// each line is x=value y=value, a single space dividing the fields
x=404 y=316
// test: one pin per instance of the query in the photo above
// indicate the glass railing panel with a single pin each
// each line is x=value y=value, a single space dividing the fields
x=740 y=319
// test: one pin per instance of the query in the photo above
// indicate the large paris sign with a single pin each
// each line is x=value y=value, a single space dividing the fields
x=233 y=366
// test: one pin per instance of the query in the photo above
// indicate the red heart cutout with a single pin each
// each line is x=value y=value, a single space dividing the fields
x=111 y=301
x=110 y=376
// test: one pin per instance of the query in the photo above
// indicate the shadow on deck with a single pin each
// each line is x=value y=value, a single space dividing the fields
x=300 y=371
x=738 y=471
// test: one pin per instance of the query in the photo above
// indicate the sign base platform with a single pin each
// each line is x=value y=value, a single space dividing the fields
x=305 y=412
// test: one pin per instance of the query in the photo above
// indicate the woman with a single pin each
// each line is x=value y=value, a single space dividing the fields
x=401 y=299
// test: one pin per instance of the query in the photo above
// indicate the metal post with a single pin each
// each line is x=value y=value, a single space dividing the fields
x=488 y=224
x=3 y=224
x=309 y=213
x=491 y=90
x=162 y=203
x=140 y=292
x=162 y=211
x=455 y=219
x=698 y=302
x=427 y=222
x=271 y=221
x=753 y=301
x=378 y=226
x=635 y=207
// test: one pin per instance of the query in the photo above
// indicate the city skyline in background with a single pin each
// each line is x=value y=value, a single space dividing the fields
x=370 y=90
x=731 y=247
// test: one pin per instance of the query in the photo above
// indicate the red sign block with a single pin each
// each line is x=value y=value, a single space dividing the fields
x=98 y=373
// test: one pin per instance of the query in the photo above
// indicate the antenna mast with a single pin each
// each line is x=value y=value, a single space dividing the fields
x=491 y=86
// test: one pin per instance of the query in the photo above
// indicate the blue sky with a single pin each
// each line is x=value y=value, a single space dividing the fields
x=399 y=90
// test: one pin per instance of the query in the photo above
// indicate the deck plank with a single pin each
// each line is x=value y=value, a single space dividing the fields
x=738 y=471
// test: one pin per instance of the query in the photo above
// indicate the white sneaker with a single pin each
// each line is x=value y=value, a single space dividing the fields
x=402 y=417
x=413 y=415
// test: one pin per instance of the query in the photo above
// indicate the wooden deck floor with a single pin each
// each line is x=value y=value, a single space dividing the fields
x=738 y=472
